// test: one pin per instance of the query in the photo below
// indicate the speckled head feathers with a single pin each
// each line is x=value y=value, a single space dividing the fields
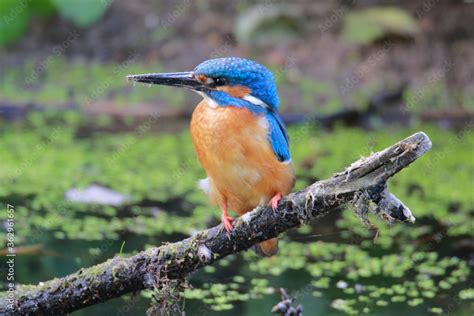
x=243 y=72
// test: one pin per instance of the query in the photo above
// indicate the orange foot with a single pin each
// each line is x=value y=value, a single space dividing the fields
x=274 y=201
x=226 y=220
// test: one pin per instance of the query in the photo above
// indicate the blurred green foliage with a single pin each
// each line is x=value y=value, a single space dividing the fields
x=45 y=83
x=368 y=25
x=261 y=25
x=15 y=15
x=81 y=12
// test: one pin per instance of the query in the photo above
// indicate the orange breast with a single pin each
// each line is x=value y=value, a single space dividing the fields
x=233 y=147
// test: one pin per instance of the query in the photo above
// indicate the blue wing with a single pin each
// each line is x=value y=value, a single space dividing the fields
x=278 y=136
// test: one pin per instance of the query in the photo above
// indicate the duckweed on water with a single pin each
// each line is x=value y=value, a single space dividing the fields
x=410 y=265
x=221 y=296
x=467 y=294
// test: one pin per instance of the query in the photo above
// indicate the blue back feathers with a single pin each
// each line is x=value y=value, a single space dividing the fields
x=247 y=73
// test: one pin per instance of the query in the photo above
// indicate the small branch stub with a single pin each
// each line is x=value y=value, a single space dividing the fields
x=285 y=308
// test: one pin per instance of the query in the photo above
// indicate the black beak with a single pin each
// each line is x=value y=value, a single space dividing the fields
x=176 y=79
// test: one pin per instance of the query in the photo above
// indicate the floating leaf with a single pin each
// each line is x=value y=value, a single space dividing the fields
x=366 y=26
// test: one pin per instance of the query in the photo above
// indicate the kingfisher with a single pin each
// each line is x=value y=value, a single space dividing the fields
x=239 y=139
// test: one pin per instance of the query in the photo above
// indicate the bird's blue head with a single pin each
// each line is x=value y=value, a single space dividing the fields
x=225 y=81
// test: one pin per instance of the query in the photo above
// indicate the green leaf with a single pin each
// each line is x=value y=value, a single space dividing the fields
x=82 y=12
x=14 y=19
x=42 y=7
x=263 y=24
x=366 y=26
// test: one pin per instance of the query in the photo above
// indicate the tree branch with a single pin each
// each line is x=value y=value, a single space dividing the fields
x=363 y=184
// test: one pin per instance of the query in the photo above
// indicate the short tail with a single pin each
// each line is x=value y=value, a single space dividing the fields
x=267 y=248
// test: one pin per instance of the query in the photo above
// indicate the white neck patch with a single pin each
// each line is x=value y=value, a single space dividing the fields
x=250 y=98
x=256 y=101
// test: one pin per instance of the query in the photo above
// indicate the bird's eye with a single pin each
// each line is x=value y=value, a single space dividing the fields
x=220 y=82
x=215 y=82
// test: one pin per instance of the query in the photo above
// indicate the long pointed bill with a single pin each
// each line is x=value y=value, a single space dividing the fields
x=176 y=79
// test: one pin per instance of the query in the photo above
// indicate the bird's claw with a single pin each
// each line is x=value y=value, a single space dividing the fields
x=274 y=201
x=227 y=221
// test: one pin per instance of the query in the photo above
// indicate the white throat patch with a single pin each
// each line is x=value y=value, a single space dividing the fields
x=210 y=101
